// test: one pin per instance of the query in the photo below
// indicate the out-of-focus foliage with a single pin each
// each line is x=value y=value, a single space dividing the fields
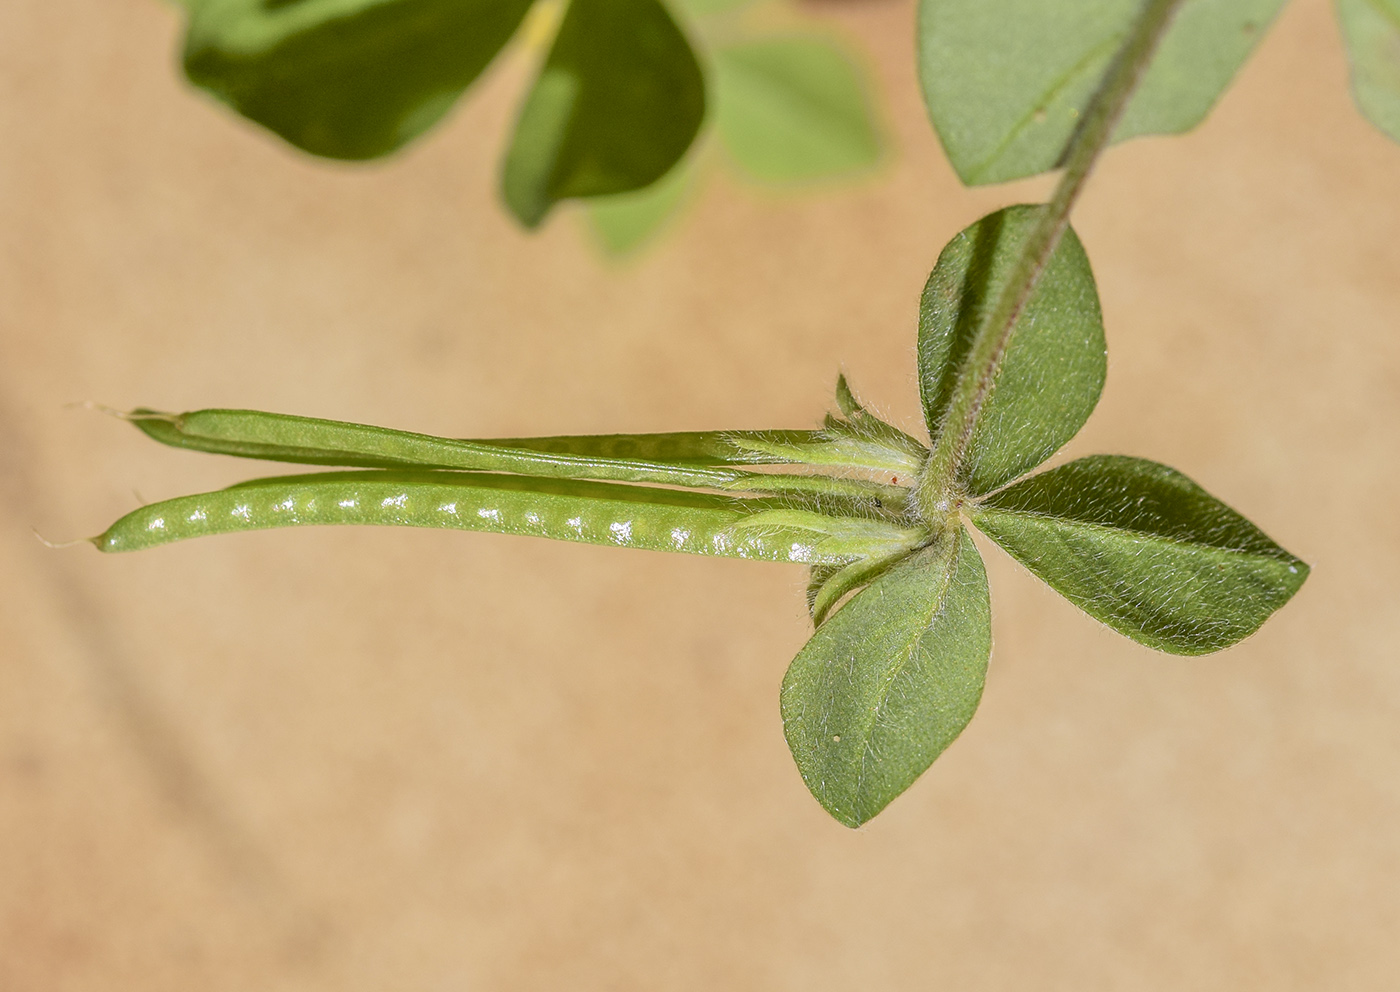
x=1372 y=32
x=616 y=105
x=792 y=110
x=349 y=79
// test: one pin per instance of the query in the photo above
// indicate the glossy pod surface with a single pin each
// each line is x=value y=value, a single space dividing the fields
x=587 y=512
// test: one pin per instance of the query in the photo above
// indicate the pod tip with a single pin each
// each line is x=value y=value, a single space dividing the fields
x=58 y=545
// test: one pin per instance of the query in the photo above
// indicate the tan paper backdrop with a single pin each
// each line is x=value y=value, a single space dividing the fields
x=373 y=759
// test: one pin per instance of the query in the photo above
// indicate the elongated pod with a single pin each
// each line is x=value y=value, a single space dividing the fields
x=693 y=459
x=589 y=512
x=312 y=441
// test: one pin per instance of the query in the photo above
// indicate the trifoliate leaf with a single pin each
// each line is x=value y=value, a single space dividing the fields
x=887 y=683
x=1054 y=367
x=615 y=107
x=1144 y=549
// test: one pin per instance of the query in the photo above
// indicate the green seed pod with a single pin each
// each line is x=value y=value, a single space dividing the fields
x=588 y=512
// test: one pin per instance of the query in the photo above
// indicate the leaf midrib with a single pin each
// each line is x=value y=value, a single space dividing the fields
x=1109 y=528
x=938 y=604
x=1047 y=95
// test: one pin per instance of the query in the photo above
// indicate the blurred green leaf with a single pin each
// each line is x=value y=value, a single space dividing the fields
x=1145 y=550
x=1054 y=367
x=1372 y=32
x=1006 y=80
x=793 y=110
x=703 y=8
x=616 y=105
x=623 y=223
x=348 y=79
x=887 y=683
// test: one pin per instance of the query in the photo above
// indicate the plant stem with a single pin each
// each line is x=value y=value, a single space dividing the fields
x=940 y=484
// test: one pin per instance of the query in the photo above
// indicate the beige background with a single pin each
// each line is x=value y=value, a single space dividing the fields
x=374 y=759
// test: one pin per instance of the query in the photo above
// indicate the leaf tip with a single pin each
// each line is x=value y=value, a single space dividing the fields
x=851 y=821
x=529 y=211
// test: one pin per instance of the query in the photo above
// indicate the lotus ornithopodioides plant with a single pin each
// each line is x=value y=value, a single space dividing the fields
x=898 y=595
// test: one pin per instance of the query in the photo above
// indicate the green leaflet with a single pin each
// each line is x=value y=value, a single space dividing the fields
x=887 y=683
x=348 y=79
x=1053 y=370
x=1005 y=80
x=616 y=105
x=1144 y=549
x=589 y=512
x=793 y=110
x=1372 y=32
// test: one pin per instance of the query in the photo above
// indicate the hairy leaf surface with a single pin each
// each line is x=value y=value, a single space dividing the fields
x=1054 y=367
x=1144 y=549
x=1006 y=80
x=887 y=683
x=1372 y=32
x=348 y=79
x=616 y=105
x=793 y=110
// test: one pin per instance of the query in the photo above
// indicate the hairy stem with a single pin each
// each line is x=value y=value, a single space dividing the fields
x=940 y=483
